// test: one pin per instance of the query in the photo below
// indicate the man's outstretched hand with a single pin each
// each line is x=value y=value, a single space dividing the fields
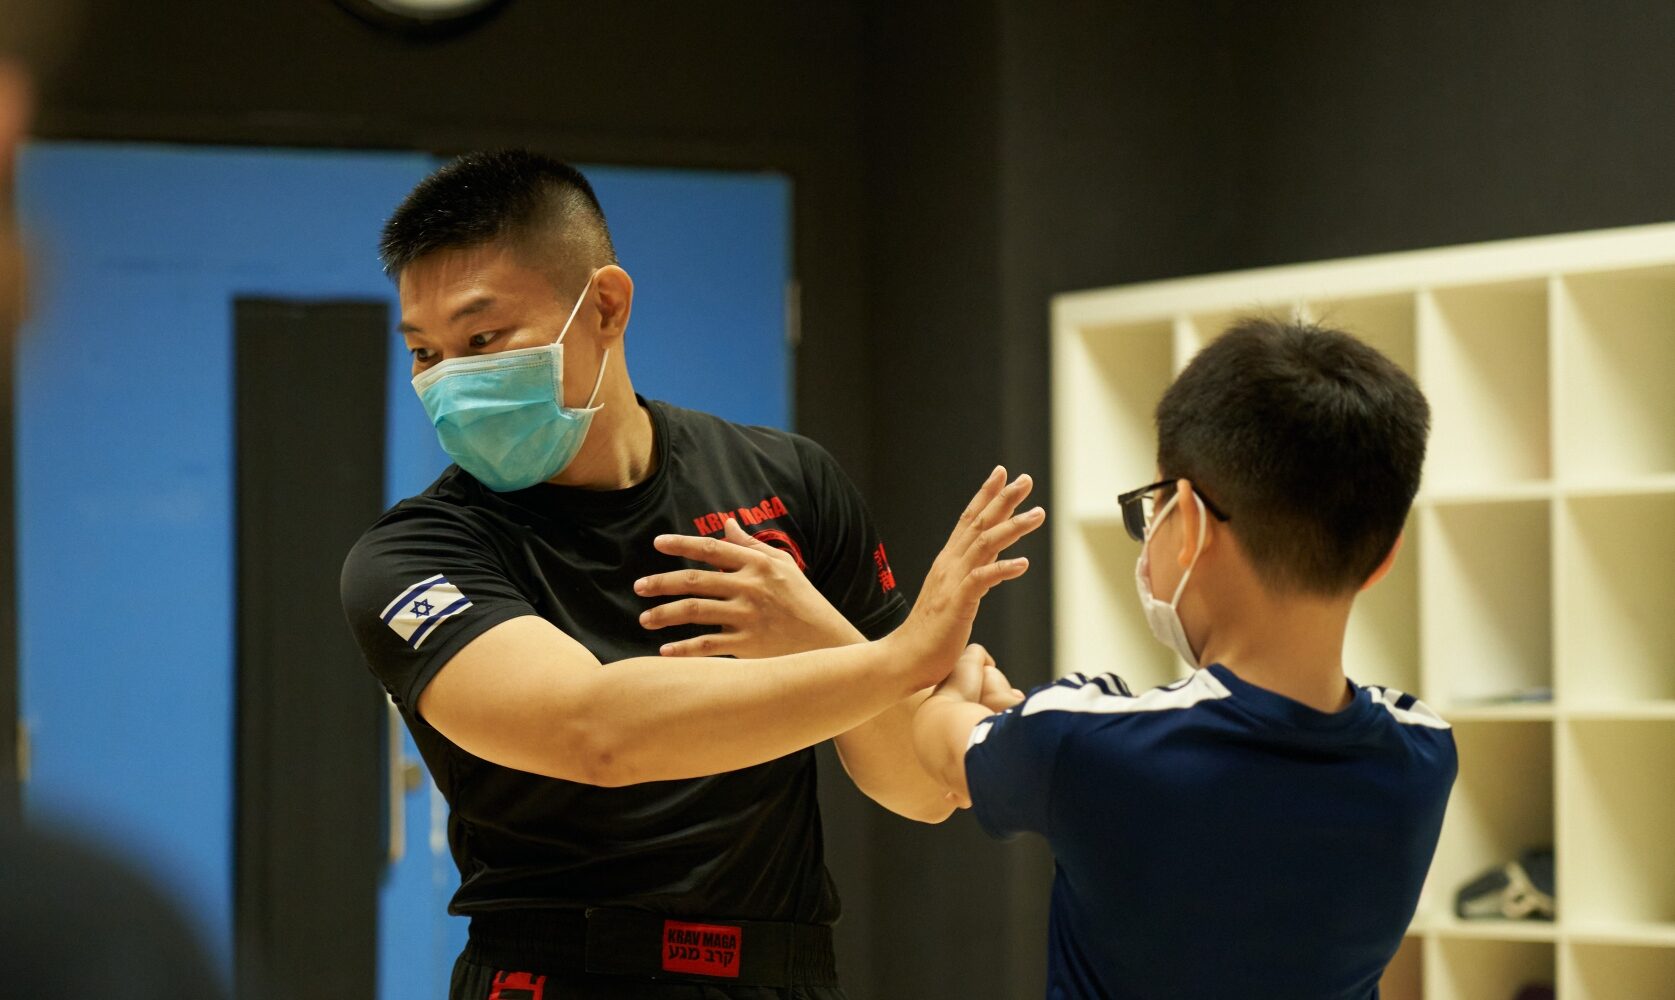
x=967 y=568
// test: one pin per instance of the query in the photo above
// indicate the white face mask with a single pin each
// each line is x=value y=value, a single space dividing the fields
x=1164 y=618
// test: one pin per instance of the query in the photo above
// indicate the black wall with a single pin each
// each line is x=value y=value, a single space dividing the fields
x=955 y=165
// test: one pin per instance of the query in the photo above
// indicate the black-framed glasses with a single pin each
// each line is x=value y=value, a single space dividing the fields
x=1137 y=507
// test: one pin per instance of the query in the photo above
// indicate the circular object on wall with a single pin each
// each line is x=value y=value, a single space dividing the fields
x=424 y=17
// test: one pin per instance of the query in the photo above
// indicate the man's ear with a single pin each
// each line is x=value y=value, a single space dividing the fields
x=1389 y=561
x=615 y=295
x=1193 y=520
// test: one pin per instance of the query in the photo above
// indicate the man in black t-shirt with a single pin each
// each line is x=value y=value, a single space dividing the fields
x=627 y=823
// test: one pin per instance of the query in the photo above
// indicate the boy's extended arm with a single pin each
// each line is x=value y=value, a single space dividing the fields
x=943 y=724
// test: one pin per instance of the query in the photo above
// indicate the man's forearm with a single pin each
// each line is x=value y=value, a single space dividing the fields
x=642 y=721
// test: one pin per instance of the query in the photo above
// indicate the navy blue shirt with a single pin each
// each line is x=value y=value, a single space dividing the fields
x=1214 y=839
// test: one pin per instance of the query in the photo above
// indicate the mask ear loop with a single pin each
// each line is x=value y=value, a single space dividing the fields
x=577 y=307
x=599 y=381
x=1203 y=527
x=566 y=332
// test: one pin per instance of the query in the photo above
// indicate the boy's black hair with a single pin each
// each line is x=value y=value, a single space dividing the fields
x=1309 y=440
x=513 y=197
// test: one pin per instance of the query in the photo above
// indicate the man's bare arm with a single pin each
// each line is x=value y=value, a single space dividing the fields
x=525 y=695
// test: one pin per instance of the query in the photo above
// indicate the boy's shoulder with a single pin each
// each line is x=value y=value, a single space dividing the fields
x=1109 y=695
x=1406 y=709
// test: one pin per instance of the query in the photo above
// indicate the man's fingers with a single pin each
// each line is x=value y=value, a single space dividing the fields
x=716 y=644
x=985 y=578
x=998 y=539
x=736 y=534
x=1002 y=504
x=697 y=582
x=970 y=591
x=987 y=492
x=718 y=553
x=690 y=611
x=977 y=513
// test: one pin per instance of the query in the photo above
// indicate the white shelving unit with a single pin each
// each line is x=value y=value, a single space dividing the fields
x=1540 y=558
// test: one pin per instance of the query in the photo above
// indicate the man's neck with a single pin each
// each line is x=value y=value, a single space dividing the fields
x=1290 y=647
x=620 y=450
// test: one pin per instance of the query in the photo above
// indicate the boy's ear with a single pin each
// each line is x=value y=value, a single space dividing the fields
x=1193 y=520
x=1384 y=567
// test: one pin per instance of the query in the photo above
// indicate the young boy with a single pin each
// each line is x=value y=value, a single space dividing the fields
x=1260 y=829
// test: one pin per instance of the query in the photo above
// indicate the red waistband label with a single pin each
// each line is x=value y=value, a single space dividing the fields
x=701 y=949
x=517 y=986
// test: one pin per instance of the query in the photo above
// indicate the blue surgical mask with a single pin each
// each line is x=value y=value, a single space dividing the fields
x=502 y=416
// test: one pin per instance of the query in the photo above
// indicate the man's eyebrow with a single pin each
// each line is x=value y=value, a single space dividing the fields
x=471 y=308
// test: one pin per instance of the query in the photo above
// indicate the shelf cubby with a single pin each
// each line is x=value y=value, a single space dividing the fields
x=1485 y=601
x=1485 y=370
x=1482 y=969
x=1117 y=373
x=1382 y=646
x=1100 y=556
x=1616 y=872
x=1616 y=350
x=1616 y=601
x=1619 y=972
x=1502 y=805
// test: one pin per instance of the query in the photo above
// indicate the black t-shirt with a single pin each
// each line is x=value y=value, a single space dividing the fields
x=438 y=570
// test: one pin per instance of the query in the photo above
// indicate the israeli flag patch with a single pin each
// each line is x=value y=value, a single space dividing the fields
x=415 y=614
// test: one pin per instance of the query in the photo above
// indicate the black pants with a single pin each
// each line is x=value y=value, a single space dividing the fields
x=474 y=980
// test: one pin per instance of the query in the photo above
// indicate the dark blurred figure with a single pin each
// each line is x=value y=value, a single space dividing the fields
x=74 y=921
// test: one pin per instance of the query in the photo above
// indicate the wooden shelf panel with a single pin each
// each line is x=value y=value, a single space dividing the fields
x=1618 y=971
x=1486 y=596
x=1485 y=369
x=1615 y=867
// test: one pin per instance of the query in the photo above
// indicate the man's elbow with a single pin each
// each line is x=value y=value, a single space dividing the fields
x=578 y=747
x=598 y=755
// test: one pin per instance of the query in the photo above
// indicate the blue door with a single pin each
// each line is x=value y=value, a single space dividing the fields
x=125 y=500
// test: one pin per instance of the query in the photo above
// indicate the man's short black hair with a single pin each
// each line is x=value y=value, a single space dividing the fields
x=1309 y=440
x=523 y=200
